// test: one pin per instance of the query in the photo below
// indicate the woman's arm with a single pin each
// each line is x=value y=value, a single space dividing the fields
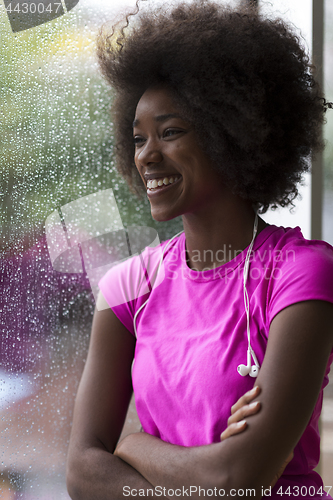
x=299 y=345
x=105 y=390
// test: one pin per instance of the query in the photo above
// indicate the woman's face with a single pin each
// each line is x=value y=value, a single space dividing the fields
x=167 y=152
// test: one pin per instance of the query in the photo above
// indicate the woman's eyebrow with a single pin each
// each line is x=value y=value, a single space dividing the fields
x=159 y=118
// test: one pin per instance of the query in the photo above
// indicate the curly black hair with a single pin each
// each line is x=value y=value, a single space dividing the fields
x=244 y=81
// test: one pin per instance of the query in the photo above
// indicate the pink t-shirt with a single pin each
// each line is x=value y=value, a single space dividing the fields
x=191 y=336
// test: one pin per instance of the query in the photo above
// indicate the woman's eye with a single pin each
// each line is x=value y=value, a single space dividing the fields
x=171 y=131
x=138 y=140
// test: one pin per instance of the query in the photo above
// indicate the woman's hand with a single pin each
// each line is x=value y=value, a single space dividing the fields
x=236 y=423
x=243 y=408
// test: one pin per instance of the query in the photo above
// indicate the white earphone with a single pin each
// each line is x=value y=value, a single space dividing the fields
x=243 y=370
x=248 y=369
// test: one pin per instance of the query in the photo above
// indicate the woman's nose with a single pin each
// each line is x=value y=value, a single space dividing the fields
x=149 y=153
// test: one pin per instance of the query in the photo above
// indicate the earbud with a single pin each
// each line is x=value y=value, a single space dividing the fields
x=244 y=370
x=254 y=372
x=247 y=369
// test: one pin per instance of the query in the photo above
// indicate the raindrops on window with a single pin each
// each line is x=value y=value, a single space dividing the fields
x=58 y=180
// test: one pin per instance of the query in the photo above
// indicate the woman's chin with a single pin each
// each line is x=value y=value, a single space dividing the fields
x=162 y=215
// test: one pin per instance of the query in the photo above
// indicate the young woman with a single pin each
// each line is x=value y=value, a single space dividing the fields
x=216 y=115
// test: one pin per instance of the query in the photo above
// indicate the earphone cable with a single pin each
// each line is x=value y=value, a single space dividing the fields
x=158 y=270
x=246 y=296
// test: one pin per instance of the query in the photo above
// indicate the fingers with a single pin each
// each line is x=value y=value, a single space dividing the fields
x=233 y=429
x=244 y=412
x=239 y=411
x=246 y=399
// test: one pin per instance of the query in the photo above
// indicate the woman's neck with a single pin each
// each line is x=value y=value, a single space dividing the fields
x=217 y=235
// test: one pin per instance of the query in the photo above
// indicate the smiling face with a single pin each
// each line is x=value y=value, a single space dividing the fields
x=177 y=173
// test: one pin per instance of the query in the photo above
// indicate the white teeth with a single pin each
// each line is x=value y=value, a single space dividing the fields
x=153 y=184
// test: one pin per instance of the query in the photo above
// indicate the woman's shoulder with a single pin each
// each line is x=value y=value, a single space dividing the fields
x=289 y=242
x=137 y=275
x=300 y=270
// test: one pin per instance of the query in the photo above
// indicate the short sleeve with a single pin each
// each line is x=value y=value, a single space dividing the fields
x=127 y=285
x=302 y=271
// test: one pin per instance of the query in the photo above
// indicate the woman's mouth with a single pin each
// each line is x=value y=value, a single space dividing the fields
x=159 y=185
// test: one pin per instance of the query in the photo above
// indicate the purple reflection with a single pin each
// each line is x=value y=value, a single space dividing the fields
x=34 y=301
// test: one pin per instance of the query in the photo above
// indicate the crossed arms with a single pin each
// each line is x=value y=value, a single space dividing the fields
x=300 y=341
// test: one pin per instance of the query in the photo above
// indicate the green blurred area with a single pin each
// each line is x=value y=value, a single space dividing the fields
x=56 y=135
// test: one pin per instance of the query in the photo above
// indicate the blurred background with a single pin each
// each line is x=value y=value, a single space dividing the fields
x=56 y=146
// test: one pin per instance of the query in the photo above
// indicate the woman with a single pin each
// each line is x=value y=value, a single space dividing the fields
x=224 y=114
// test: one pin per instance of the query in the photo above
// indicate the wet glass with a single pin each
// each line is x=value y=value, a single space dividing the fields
x=63 y=207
